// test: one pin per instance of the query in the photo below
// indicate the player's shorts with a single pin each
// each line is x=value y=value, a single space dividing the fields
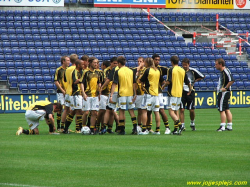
x=123 y=102
x=188 y=101
x=160 y=97
x=174 y=103
x=138 y=102
x=151 y=102
x=77 y=102
x=92 y=103
x=114 y=99
x=33 y=117
x=60 y=98
x=103 y=102
x=67 y=100
x=223 y=101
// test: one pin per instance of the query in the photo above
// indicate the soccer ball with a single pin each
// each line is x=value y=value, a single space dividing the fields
x=85 y=130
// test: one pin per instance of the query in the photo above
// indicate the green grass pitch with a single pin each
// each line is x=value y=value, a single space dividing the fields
x=131 y=160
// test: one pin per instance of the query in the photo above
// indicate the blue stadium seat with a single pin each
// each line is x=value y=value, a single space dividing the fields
x=203 y=85
x=23 y=88
x=240 y=85
x=247 y=84
x=41 y=88
x=13 y=81
x=11 y=72
x=236 y=77
x=30 y=79
x=210 y=86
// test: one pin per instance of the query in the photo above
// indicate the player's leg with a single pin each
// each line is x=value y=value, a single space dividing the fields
x=222 y=106
x=131 y=107
x=155 y=103
x=66 y=111
x=192 y=119
x=68 y=121
x=229 y=115
x=116 y=118
x=121 y=121
x=93 y=121
x=162 y=111
x=182 y=110
x=85 y=109
x=147 y=113
x=94 y=107
x=229 y=120
x=173 y=107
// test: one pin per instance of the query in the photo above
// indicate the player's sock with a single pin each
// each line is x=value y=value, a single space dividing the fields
x=92 y=128
x=28 y=131
x=157 y=129
x=89 y=119
x=68 y=121
x=144 y=128
x=121 y=125
x=183 y=125
x=62 y=124
x=149 y=127
x=104 y=125
x=139 y=124
x=176 y=125
x=110 y=128
x=134 y=122
x=223 y=126
x=78 y=122
x=192 y=123
x=58 y=120
x=229 y=126
x=166 y=124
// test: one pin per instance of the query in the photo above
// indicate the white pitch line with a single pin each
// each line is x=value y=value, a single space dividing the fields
x=24 y=185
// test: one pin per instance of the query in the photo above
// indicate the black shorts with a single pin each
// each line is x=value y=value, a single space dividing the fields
x=188 y=100
x=223 y=101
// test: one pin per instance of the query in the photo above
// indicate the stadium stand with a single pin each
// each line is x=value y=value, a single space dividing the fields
x=32 y=43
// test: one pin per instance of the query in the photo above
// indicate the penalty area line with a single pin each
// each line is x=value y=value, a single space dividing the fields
x=23 y=185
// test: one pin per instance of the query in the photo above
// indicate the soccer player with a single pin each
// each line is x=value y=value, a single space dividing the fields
x=175 y=80
x=150 y=78
x=125 y=78
x=103 y=96
x=77 y=98
x=163 y=72
x=61 y=87
x=224 y=87
x=85 y=58
x=92 y=85
x=139 y=90
x=110 y=113
x=68 y=79
x=188 y=101
x=39 y=111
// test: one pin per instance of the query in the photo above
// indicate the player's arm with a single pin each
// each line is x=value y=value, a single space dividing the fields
x=83 y=92
x=198 y=76
x=59 y=87
x=227 y=86
x=134 y=87
x=187 y=82
x=115 y=82
x=57 y=83
x=230 y=80
x=169 y=77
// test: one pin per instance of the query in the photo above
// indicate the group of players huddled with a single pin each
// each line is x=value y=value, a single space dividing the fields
x=93 y=95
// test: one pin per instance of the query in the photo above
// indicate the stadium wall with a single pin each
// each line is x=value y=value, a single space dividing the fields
x=18 y=103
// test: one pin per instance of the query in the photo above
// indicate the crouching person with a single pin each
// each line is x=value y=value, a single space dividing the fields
x=38 y=111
